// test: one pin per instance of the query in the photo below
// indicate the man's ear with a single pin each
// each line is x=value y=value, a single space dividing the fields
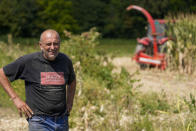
x=40 y=45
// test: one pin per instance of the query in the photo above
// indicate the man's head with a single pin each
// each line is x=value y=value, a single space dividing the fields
x=50 y=44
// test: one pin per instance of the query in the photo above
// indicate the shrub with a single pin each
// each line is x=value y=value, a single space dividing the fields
x=101 y=94
x=105 y=100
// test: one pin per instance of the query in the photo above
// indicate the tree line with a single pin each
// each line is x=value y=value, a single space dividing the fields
x=27 y=18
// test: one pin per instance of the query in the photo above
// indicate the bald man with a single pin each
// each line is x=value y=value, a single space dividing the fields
x=50 y=84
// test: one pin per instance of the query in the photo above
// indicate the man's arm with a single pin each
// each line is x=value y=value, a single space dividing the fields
x=70 y=95
x=20 y=105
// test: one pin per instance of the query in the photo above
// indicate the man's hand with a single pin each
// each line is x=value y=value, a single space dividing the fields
x=69 y=108
x=22 y=107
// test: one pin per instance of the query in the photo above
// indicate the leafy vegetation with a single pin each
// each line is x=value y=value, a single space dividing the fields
x=106 y=100
x=28 y=18
x=56 y=15
x=152 y=103
x=16 y=17
x=181 y=51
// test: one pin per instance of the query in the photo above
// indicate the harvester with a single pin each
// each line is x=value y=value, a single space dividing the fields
x=150 y=50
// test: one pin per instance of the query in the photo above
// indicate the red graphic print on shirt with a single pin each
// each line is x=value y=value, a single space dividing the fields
x=52 y=78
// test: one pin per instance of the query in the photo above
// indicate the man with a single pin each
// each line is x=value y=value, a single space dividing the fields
x=46 y=74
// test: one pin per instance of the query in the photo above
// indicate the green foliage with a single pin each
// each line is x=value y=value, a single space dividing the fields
x=152 y=103
x=99 y=89
x=176 y=6
x=89 y=13
x=158 y=9
x=28 y=18
x=181 y=51
x=191 y=103
x=142 y=124
x=115 y=24
x=106 y=100
x=56 y=15
x=17 y=16
x=82 y=48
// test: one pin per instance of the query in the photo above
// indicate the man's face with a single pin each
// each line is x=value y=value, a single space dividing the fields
x=50 y=45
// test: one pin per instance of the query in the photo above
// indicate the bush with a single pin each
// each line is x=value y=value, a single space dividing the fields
x=105 y=100
x=101 y=94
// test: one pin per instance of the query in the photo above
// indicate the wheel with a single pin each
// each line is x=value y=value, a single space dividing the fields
x=143 y=66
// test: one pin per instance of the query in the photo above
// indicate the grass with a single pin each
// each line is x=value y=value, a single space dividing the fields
x=117 y=47
x=111 y=47
x=99 y=108
x=152 y=102
x=29 y=41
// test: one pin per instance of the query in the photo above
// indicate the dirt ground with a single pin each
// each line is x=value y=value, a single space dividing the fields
x=151 y=80
x=10 y=121
x=154 y=80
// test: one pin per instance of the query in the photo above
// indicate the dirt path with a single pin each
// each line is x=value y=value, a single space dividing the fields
x=10 y=121
x=155 y=80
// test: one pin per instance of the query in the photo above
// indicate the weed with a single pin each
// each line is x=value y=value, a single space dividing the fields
x=142 y=124
x=191 y=103
x=151 y=103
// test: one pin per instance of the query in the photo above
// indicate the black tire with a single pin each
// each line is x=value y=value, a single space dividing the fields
x=143 y=66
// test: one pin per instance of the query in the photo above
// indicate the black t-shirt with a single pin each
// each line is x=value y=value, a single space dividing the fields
x=45 y=81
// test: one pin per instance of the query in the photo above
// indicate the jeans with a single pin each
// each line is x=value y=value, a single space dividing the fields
x=48 y=123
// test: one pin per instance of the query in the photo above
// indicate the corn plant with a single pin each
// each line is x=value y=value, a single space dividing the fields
x=182 y=50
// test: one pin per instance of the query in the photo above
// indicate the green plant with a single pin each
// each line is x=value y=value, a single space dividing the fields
x=191 y=103
x=102 y=94
x=181 y=51
x=151 y=103
x=142 y=123
x=106 y=100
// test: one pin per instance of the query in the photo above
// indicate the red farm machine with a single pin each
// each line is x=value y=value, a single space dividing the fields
x=150 y=50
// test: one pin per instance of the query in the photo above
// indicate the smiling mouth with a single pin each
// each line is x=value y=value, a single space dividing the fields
x=52 y=52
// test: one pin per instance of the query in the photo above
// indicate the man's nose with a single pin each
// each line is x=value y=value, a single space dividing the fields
x=52 y=46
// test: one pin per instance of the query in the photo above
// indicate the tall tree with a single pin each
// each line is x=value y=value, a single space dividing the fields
x=56 y=15
x=17 y=16
x=89 y=13
x=185 y=6
x=157 y=8
x=106 y=15
x=115 y=20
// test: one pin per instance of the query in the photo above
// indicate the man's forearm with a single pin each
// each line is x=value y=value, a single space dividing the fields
x=20 y=105
x=71 y=92
x=4 y=82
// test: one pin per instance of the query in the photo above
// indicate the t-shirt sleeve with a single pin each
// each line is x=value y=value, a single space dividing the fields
x=15 y=70
x=72 y=75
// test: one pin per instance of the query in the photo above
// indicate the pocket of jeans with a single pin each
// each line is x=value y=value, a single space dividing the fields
x=65 y=118
x=36 y=119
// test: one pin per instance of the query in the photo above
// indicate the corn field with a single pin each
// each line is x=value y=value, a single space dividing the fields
x=182 y=49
